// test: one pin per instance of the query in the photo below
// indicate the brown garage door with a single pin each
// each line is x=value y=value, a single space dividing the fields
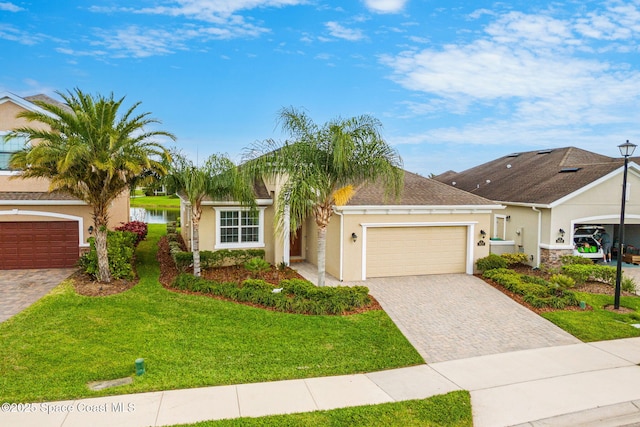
x=48 y=244
x=408 y=251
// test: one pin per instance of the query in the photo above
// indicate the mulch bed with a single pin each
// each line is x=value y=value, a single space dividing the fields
x=236 y=274
x=85 y=284
x=588 y=287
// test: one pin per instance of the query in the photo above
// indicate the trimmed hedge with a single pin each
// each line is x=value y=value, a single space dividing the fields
x=294 y=296
x=210 y=259
x=534 y=290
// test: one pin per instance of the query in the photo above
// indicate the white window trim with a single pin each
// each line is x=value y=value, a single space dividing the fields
x=239 y=245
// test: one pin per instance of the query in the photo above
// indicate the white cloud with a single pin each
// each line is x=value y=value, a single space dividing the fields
x=11 y=33
x=385 y=6
x=10 y=7
x=530 y=79
x=338 y=31
x=220 y=20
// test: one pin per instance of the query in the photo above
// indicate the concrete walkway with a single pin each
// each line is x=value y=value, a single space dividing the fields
x=21 y=288
x=579 y=384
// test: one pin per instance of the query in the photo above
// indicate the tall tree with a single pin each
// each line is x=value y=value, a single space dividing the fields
x=218 y=179
x=324 y=167
x=92 y=151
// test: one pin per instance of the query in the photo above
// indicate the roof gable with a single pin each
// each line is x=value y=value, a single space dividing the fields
x=26 y=102
x=536 y=177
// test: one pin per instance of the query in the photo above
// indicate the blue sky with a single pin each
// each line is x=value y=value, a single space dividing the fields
x=454 y=83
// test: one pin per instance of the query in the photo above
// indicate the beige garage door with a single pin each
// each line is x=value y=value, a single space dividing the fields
x=408 y=251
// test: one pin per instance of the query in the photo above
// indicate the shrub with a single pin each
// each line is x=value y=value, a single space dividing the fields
x=120 y=250
x=138 y=227
x=257 y=265
x=562 y=281
x=534 y=290
x=296 y=296
x=490 y=262
x=517 y=258
x=575 y=259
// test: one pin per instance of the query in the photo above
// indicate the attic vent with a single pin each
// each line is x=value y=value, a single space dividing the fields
x=513 y=155
x=566 y=170
x=544 y=151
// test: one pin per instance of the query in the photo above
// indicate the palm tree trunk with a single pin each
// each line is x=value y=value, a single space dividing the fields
x=322 y=251
x=100 y=222
x=195 y=244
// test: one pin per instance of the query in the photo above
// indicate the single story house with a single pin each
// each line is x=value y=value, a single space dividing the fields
x=38 y=228
x=548 y=194
x=432 y=228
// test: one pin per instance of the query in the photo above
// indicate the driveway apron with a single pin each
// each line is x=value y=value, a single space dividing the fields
x=457 y=316
x=21 y=288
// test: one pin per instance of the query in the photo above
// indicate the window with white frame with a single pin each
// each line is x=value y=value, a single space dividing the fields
x=239 y=227
x=8 y=147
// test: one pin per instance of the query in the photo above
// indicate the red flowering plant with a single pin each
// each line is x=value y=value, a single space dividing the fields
x=138 y=227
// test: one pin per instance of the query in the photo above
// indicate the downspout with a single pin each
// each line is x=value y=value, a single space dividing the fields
x=539 y=235
x=341 y=240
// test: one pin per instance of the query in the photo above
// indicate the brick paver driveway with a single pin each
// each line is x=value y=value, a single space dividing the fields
x=21 y=288
x=456 y=316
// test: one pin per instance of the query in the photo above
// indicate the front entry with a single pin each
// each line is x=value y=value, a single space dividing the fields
x=295 y=244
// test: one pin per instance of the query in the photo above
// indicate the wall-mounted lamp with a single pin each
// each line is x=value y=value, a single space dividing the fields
x=483 y=233
x=90 y=229
x=561 y=232
x=354 y=237
x=508 y=218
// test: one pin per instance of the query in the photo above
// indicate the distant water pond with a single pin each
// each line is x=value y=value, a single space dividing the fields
x=154 y=216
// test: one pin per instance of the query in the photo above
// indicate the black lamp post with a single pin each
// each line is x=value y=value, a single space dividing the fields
x=626 y=150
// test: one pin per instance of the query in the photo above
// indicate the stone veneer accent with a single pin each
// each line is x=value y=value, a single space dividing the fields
x=551 y=257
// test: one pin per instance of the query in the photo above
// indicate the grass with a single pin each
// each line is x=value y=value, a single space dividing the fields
x=155 y=202
x=51 y=350
x=599 y=324
x=452 y=409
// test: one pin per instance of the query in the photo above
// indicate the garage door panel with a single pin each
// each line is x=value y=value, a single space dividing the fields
x=405 y=251
x=45 y=244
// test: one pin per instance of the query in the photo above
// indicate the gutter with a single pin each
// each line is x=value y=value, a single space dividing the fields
x=539 y=239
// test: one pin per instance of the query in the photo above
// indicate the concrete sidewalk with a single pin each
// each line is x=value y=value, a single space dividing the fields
x=578 y=384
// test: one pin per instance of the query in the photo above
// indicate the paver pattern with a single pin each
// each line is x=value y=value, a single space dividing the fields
x=21 y=288
x=456 y=316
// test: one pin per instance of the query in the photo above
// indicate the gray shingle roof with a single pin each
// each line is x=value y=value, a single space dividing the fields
x=537 y=177
x=418 y=191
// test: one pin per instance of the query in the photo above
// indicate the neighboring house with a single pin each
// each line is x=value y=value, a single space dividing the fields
x=431 y=228
x=550 y=193
x=39 y=229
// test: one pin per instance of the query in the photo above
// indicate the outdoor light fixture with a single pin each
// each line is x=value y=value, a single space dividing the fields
x=90 y=230
x=508 y=218
x=483 y=233
x=561 y=232
x=354 y=237
x=626 y=150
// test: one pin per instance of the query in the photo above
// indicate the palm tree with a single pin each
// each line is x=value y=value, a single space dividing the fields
x=324 y=166
x=91 y=152
x=218 y=178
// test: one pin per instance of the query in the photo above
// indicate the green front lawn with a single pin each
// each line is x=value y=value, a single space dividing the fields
x=54 y=348
x=599 y=324
x=452 y=410
x=155 y=202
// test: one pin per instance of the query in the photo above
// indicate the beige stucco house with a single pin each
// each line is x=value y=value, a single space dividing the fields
x=431 y=228
x=550 y=193
x=39 y=229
